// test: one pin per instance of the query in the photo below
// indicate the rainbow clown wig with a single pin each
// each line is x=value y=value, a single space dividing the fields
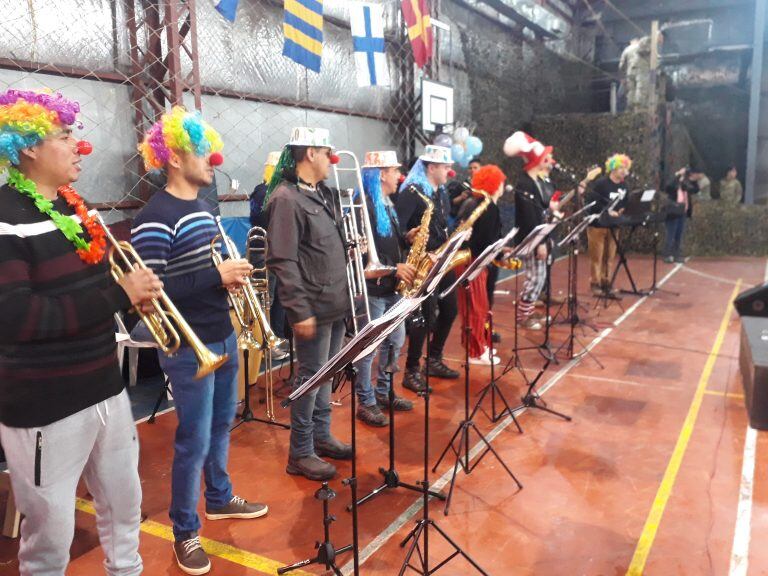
x=179 y=131
x=372 y=186
x=618 y=161
x=27 y=118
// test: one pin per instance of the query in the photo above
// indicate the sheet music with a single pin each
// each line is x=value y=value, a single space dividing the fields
x=648 y=196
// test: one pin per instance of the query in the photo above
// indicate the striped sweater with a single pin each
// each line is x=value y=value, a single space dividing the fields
x=173 y=237
x=57 y=335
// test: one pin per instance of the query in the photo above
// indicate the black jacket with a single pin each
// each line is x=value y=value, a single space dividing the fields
x=487 y=228
x=531 y=204
x=306 y=252
x=410 y=208
x=390 y=250
x=692 y=187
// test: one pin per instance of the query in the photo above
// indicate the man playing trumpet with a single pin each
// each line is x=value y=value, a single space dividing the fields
x=64 y=412
x=173 y=235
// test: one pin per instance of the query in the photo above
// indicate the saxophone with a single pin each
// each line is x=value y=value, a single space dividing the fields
x=418 y=253
x=462 y=256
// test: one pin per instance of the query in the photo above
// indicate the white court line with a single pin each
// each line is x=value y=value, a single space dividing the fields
x=415 y=508
x=743 y=530
x=741 y=535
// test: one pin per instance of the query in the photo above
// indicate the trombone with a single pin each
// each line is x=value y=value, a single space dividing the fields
x=357 y=241
x=245 y=302
x=160 y=323
x=256 y=254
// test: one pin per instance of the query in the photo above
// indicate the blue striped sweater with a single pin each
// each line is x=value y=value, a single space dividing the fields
x=173 y=237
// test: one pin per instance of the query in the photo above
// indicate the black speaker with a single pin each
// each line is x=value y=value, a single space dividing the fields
x=753 y=362
x=753 y=302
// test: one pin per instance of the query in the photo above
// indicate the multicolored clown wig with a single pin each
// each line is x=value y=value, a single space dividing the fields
x=181 y=131
x=418 y=177
x=27 y=118
x=618 y=161
x=372 y=187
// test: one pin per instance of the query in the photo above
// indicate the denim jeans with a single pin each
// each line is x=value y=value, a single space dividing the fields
x=311 y=414
x=205 y=409
x=378 y=305
x=674 y=240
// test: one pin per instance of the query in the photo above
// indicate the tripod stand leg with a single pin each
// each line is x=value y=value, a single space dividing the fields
x=458 y=549
x=490 y=449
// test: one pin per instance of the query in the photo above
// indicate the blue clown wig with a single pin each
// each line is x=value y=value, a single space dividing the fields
x=418 y=177
x=372 y=187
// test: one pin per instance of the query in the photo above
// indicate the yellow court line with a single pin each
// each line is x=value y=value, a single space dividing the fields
x=653 y=521
x=212 y=547
x=726 y=394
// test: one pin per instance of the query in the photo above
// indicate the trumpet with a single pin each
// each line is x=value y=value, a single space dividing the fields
x=160 y=322
x=246 y=302
x=358 y=241
x=256 y=248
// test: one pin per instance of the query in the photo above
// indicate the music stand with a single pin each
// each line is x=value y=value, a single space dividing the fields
x=467 y=425
x=572 y=241
x=607 y=294
x=367 y=340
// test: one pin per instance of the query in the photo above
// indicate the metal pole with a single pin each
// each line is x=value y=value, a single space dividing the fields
x=754 y=100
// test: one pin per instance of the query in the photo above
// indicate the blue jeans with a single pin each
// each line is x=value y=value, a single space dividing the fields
x=378 y=306
x=205 y=409
x=311 y=414
x=674 y=240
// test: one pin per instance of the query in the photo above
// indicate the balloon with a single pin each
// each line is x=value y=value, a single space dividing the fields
x=443 y=140
x=474 y=145
x=457 y=152
x=464 y=162
x=460 y=135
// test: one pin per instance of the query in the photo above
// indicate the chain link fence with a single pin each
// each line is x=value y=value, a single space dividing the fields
x=126 y=61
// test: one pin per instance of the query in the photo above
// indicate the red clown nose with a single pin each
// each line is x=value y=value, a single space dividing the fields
x=84 y=147
x=401 y=179
x=451 y=173
x=216 y=159
x=335 y=159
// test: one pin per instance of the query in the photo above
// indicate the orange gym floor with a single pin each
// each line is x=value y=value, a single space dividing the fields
x=647 y=478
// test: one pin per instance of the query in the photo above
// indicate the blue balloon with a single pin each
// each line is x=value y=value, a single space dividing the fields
x=464 y=162
x=444 y=140
x=474 y=145
x=457 y=152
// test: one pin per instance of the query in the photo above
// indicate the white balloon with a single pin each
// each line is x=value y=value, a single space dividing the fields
x=460 y=135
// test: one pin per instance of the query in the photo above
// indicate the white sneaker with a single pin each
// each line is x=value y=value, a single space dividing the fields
x=484 y=360
x=495 y=352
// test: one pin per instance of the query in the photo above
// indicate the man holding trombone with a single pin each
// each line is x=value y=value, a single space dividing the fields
x=307 y=254
x=173 y=234
x=64 y=411
x=381 y=177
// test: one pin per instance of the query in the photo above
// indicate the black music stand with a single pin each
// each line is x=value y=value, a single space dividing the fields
x=467 y=425
x=247 y=415
x=365 y=342
x=607 y=294
x=572 y=241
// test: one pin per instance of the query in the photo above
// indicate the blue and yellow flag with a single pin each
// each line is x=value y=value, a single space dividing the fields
x=303 y=30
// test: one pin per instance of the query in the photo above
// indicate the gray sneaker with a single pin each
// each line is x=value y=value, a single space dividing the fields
x=372 y=416
x=237 y=508
x=398 y=405
x=333 y=448
x=191 y=557
x=311 y=467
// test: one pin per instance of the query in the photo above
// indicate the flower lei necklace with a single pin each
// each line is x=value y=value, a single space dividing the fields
x=90 y=252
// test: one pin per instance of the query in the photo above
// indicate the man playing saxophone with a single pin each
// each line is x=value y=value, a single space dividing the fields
x=381 y=177
x=173 y=235
x=426 y=179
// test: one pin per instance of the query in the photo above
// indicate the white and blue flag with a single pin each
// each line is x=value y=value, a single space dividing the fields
x=367 y=22
x=227 y=8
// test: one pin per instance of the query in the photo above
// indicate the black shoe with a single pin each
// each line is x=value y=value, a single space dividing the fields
x=413 y=380
x=311 y=467
x=398 y=404
x=372 y=415
x=333 y=448
x=438 y=369
x=191 y=557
